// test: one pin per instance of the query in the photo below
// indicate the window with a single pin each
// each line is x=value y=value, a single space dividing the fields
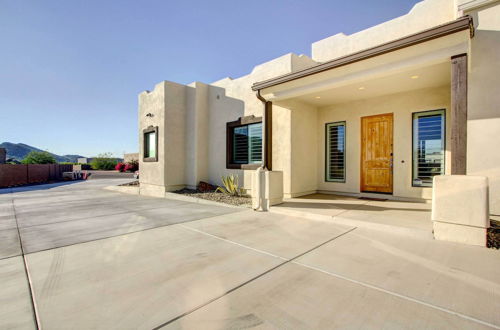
x=244 y=145
x=335 y=152
x=151 y=144
x=428 y=146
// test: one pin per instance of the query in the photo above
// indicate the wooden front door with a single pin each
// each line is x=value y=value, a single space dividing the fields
x=376 y=153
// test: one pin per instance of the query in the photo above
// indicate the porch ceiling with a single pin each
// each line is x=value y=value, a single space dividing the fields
x=418 y=78
x=383 y=74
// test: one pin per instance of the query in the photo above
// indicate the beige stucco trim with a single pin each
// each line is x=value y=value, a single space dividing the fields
x=463 y=23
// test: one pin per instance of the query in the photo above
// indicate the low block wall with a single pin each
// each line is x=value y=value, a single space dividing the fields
x=82 y=167
x=19 y=174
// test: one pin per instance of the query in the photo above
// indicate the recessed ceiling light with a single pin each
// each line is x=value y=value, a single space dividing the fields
x=414 y=77
x=318 y=97
x=361 y=88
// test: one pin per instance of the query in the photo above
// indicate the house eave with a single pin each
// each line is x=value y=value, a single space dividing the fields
x=457 y=25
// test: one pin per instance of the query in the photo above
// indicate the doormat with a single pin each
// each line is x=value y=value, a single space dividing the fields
x=373 y=199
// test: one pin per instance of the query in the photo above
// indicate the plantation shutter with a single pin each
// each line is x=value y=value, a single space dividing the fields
x=247 y=144
x=255 y=143
x=335 y=152
x=240 y=145
x=428 y=146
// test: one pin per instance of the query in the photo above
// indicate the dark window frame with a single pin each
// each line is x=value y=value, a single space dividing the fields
x=230 y=126
x=150 y=129
x=327 y=179
x=443 y=110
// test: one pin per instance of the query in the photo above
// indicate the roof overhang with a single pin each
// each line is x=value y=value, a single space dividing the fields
x=461 y=24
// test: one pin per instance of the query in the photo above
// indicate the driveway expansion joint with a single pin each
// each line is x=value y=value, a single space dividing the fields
x=26 y=272
x=286 y=261
x=341 y=277
x=418 y=301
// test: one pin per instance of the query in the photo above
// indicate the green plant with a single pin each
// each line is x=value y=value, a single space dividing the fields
x=39 y=157
x=231 y=186
x=104 y=162
x=132 y=166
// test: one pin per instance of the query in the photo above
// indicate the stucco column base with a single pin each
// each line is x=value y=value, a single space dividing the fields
x=458 y=233
x=460 y=209
x=151 y=190
x=267 y=189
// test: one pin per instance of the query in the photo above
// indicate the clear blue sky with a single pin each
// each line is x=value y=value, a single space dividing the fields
x=70 y=71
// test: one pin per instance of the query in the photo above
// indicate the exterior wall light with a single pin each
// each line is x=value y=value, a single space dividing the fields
x=414 y=77
x=149 y=114
x=361 y=88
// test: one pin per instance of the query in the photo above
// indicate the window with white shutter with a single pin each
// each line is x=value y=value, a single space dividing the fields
x=428 y=146
x=244 y=143
x=335 y=152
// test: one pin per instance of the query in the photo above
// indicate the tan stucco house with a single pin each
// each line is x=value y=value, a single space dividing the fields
x=381 y=111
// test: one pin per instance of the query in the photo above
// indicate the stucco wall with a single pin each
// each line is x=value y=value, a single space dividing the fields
x=166 y=104
x=175 y=132
x=423 y=15
x=402 y=105
x=196 y=123
x=191 y=124
x=282 y=144
x=295 y=146
x=483 y=130
x=237 y=101
x=130 y=157
x=152 y=174
x=222 y=109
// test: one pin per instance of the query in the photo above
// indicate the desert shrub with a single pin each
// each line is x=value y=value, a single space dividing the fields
x=132 y=166
x=104 y=162
x=231 y=186
x=39 y=157
x=120 y=167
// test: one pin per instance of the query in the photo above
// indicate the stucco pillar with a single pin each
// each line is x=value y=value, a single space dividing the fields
x=460 y=209
x=267 y=189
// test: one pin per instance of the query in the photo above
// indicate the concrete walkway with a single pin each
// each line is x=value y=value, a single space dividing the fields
x=409 y=218
x=98 y=259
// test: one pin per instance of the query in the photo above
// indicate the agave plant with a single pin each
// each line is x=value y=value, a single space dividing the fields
x=231 y=187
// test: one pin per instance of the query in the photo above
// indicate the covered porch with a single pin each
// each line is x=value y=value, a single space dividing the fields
x=385 y=120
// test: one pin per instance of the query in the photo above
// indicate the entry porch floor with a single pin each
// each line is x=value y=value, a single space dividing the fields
x=398 y=216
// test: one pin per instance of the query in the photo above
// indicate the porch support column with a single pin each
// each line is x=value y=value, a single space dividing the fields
x=459 y=114
x=268 y=135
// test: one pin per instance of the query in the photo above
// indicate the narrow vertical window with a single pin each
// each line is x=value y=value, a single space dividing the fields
x=151 y=144
x=335 y=152
x=428 y=146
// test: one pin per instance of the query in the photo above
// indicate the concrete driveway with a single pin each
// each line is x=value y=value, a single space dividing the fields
x=97 y=259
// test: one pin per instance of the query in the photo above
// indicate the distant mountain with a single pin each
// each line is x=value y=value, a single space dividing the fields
x=19 y=150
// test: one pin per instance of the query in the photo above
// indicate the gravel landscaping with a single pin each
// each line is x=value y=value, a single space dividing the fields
x=217 y=197
x=494 y=235
x=133 y=183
